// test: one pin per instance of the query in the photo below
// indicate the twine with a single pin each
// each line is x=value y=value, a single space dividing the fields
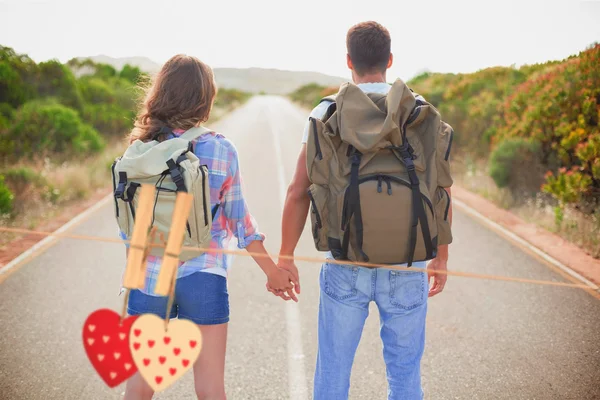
x=308 y=259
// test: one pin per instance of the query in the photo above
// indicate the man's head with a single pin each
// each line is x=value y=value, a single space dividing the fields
x=369 y=51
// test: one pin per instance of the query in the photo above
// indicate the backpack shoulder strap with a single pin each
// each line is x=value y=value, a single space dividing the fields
x=193 y=133
x=329 y=99
x=331 y=108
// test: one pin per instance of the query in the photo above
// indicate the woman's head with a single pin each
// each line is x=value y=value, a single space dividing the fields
x=179 y=97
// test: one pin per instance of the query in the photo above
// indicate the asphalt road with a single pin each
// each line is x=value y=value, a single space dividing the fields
x=485 y=339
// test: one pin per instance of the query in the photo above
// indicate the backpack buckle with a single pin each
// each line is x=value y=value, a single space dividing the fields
x=120 y=190
x=409 y=163
x=176 y=176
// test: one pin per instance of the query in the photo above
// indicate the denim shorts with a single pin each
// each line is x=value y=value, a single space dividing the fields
x=200 y=297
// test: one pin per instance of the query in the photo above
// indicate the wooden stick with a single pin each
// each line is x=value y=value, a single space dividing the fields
x=135 y=271
x=170 y=261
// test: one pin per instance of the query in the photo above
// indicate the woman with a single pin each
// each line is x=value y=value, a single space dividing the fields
x=181 y=97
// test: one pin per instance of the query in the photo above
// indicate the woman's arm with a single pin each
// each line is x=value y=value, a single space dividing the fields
x=245 y=229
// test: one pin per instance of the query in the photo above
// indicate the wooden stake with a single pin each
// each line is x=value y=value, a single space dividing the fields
x=135 y=271
x=170 y=262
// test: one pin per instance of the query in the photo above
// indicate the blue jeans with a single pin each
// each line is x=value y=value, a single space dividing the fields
x=401 y=297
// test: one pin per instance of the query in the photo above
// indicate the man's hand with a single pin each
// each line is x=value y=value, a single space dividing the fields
x=290 y=266
x=439 y=279
x=279 y=282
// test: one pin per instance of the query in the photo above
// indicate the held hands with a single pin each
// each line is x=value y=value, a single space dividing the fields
x=288 y=269
x=280 y=283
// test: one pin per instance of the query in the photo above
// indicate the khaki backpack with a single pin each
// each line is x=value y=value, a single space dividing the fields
x=171 y=166
x=378 y=165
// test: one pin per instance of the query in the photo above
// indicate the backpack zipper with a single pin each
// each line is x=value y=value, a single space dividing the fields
x=315 y=211
x=447 y=205
x=449 y=146
x=204 y=195
x=388 y=179
x=115 y=188
x=316 y=136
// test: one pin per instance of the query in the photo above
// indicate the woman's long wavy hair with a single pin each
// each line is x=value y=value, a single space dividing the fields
x=179 y=97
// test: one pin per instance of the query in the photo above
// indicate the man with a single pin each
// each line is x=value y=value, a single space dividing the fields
x=346 y=291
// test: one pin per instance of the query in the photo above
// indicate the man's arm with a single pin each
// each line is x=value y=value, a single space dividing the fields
x=295 y=211
x=440 y=262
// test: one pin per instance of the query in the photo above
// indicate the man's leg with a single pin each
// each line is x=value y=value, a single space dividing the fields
x=401 y=297
x=343 y=309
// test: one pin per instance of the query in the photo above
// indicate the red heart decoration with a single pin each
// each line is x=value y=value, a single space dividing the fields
x=106 y=343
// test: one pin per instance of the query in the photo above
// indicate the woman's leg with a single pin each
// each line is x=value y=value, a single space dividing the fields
x=209 y=369
x=141 y=303
x=137 y=388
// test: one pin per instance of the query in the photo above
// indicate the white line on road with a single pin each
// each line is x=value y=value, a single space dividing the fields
x=48 y=241
x=296 y=369
x=499 y=228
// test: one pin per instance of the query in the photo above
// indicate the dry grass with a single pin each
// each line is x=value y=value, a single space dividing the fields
x=540 y=209
x=59 y=186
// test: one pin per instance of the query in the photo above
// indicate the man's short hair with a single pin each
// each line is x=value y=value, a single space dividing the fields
x=369 y=47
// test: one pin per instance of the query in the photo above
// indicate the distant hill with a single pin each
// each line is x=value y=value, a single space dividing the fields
x=273 y=81
x=253 y=80
x=144 y=63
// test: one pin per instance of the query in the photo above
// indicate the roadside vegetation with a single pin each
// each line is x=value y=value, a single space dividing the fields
x=61 y=127
x=527 y=138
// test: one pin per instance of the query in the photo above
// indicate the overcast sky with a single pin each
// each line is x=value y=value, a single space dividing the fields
x=441 y=36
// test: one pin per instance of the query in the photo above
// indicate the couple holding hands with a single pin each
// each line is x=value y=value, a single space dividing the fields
x=372 y=170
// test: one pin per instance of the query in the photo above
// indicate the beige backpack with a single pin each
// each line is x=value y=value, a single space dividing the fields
x=378 y=165
x=171 y=166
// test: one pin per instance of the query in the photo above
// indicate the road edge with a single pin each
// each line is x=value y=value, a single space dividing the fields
x=545 y=245
x=49 y=241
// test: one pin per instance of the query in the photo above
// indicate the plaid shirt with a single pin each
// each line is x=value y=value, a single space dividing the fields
x=232 y=217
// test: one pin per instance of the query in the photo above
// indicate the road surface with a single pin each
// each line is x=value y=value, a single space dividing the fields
x=485 y=339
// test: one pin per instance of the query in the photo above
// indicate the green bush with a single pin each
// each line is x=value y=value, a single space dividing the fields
x=559 y=107
x=6 y=198
x=49 y=127
x=515 y=164
x=310 y=95
x=56 y=80
x=130 y=73
x=96 y=90
x=228 y=97
x=110 y=119
x=7 y=114
x=17 y=77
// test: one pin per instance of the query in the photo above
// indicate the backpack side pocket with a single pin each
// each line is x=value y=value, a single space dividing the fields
x=319 y=196
x=319 y=150
x=442 y=209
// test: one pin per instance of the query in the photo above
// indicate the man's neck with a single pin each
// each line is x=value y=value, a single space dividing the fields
x=369 y=78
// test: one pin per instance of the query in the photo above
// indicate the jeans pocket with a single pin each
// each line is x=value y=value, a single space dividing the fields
x=339 y=281
x=408 y=289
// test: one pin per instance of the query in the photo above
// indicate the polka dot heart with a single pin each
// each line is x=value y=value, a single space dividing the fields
x=163 y=356
x=106 y=343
